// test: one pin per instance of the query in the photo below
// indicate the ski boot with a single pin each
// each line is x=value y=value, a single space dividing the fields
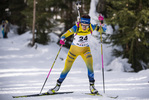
x=92 y=88
x=55 y=89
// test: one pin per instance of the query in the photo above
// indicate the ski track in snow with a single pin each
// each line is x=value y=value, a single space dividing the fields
x=23 y=71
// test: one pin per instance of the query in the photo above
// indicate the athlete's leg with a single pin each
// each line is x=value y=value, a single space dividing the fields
x=87 y=57
x=68 y=64
x=71 y=56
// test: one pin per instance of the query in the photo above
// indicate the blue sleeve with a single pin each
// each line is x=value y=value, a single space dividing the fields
x=69 y=32
x=73 y=29
x=93 y=27
x=104 y=28
x=96 y=27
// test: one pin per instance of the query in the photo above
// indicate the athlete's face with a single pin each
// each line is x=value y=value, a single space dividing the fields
x=84 y=26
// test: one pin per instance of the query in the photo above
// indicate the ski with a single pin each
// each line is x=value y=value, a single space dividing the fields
x=43 y=94
x=114 y=97
x=56 y=93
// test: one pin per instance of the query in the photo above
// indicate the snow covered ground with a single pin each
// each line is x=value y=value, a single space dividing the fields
x=23 y=71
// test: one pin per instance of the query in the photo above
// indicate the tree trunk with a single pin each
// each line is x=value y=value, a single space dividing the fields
x=33 y=27
x=101 y=6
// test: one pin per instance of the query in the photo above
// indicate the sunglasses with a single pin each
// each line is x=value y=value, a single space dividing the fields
x=85 y=26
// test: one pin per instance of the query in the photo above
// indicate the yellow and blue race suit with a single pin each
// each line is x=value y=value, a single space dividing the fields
x=80 y=46
x=3 y=33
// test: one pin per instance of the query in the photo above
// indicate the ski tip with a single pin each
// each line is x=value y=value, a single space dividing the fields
x=13 y=96
x=18 y=96
x=114 y=97
x=102 y=95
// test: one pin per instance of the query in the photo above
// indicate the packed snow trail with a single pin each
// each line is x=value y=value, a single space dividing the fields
x=23 y=71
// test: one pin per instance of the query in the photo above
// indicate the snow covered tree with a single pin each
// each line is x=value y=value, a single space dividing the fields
x=132 y=18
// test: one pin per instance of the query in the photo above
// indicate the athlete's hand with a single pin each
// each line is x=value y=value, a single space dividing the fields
x=62 y=42
x=101 y=18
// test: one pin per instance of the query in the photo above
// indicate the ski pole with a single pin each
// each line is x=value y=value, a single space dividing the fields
x=78 y=4
x=102 y=61
x=50 y=69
